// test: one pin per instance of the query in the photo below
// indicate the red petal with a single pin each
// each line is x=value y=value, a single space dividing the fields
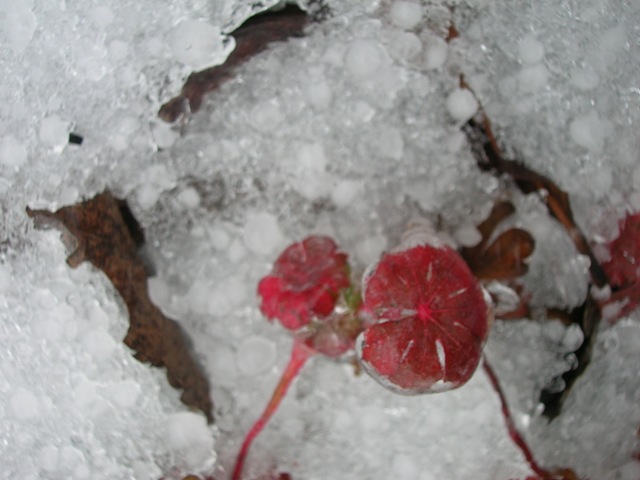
x=432 y=321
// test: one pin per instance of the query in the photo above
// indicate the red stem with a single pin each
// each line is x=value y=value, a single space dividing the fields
x=300 y=353
x=515 y=435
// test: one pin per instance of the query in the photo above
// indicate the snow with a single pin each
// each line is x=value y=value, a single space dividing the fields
x=190 y=440
x=406 y=15
x=256 y=355
x=363 y=59
x=262 y=233
x=530 y=50
x=461 y=105
x=435 y=52
x=13 y=153
x=350 y=131
x=195 y=43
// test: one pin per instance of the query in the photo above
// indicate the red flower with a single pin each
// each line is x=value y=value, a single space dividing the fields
x=431 y=321
x=623 y=269
x=305 y=282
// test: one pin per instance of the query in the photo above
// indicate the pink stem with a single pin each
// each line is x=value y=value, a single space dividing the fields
x=515 y=435
x=300 y=353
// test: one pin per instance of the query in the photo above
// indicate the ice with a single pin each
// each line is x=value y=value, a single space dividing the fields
x=467 y=236
x=435 y=52
x=24 y=404
x=406 y=15
x=461 y=105
x=530 y=50
x=125 y=393
x=157 y=179
x=18 y=24
x=405 y=46
x=585 y=79
x=369 y=249
x=13 y=153
x=318 y=93
x=197 y=44
x=262 y=233
x=54 y=132
x=163 y=134
x=189 y=197
x=533 y=78
x=590 y=131
x=256 y=355
x=266 y=116
x=190 y=440
x=363 y=59
x=102 y=16
x=404 y=466
x=49 y=458
x=369 y=85
x=99 y=343
x=345 y=192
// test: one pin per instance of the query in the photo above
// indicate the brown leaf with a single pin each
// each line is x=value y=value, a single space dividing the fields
x=587 y=316
x=251 y=38
x=504 y=258
x=103 y=231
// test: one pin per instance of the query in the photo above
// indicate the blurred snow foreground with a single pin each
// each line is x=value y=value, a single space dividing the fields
x=349 y=131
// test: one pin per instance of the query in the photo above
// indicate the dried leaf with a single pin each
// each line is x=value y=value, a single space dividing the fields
x=251 y=38
x=104 y=232
x=504 y=258
x=588 y=315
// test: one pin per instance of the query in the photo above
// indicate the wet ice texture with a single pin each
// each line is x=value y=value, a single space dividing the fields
x=346 y=132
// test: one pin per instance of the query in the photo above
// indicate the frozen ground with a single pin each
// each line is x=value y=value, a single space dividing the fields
x=306 y=139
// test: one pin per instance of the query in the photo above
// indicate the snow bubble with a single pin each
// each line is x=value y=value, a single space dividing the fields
x=369 y=250
x=24 y=404
x=388 y=142
x=118 y=50
x=311 y=157
x=196 y=44
x=530 y=50
x=54 y=132
x=190 y=440
x=17 y=24
x=533 y=78
x=318 y=94
x=226 y=297
x=163 y=134
x=99 y=343
x=189 y=197
x=222 y=365
x=12 y=152
x=404 y=466
x=102 y=16
x=345 y=192
x=90 y=60
x=219 y=237
x=467 y=236
x=158 y=178
x=406 y=15
x=461 y=105
x=585 y=79
x=49 y=458
x=573 y=338
x=266 y=116
x=5 y=278
x=256 y=355
x=590 y=131
x=125 y=393
x=435 y=52
x=262 y=234
x=363 y=58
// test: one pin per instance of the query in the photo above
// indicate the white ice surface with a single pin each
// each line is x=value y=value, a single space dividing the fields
x=220 y=196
